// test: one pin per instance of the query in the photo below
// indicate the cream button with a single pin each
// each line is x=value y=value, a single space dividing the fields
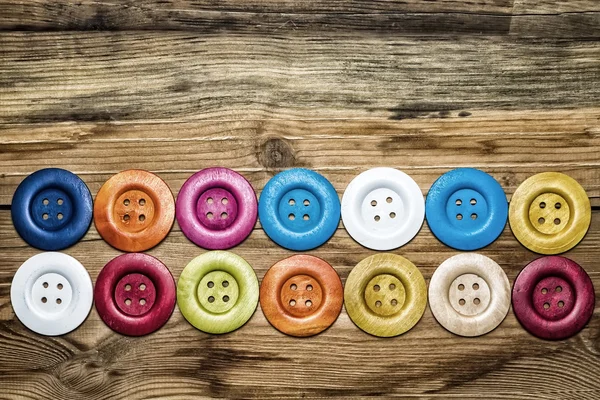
x=469 y=294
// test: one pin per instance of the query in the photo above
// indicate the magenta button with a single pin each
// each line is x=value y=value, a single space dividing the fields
x=216 y=208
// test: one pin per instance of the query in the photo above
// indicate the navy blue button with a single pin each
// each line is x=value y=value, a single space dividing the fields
x=52 y=209
x=466 y=209
x=299 y=209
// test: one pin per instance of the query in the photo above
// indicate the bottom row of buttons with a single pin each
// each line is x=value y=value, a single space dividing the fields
x=385 y=294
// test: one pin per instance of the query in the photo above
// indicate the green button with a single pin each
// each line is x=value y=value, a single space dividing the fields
x=217 y=292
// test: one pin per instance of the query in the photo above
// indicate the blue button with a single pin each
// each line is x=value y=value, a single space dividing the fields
x=52 y=209
x=466 y=209
x=299 y=209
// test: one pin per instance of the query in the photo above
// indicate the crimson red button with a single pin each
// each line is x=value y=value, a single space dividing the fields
x=135 y=294
x=553 y=297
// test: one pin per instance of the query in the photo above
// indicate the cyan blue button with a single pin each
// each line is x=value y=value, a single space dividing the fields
x=299 y=209
x=52 y=209
x=466 y=209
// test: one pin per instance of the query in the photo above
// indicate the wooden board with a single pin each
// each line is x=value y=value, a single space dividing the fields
x=510 y=87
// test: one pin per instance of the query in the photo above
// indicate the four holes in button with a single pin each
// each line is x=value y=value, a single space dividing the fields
x=46 y=202
x=59 y=286
x=459 y=202
x=211 y=284
x=292 y=216
x=377 y=218
x=557 y=289
x=307 y=303
x=476 y=300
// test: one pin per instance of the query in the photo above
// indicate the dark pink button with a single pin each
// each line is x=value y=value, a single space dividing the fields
x=216 y=208
x=135 y=294
x=553 y=297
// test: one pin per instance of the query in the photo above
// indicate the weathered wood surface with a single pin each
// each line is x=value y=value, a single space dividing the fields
x=511 y=87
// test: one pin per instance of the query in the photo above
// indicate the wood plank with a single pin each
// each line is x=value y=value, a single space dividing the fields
x=179 y=361
x=425 y=145
x=276 y=16
x=540 y=18
x=166 y=76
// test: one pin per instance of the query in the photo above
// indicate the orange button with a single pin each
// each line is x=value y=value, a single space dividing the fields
x=301 y=295
x=134 y=210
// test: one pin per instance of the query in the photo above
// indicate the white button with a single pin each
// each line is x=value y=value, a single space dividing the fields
x=469 y=294
x=51 y=293
x=383 y=208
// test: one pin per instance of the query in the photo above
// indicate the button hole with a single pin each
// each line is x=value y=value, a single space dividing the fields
x=142 y=217
x=377 y=218
x=45 y=202
x=60 y=202
x=126 y=202
x=546 y=306
x=476 y=301
x=59 y=216
x=58 y=301
x=557 y=206
x=224 y=215
x=459 y=217
x=293 y=286
x=544 y=291
x=127 y=287
x=225 y=298
x=45 y=284
x=561 y=304
x=309 y=287
x=142 y=302
x=558 y=289
x=128 y=302
x=224 y=200
x=307 y=202
x=142 y=286
x=389 y=199
x=308 y=303
x=292 y=303
x=458 y=202
x=210 y=284
x=462 y=302
x=473 y=202
x=45 y=216
x=542 y=205
x=211 y=299
x=475 y=286
x=225 y=283
x=394 y=302
x=142 y=202
x=209 y=200
x=209 y=215
x=44 y=300
x=306 y=217
x=392 y=215
x=292 y=202
x=59 y=286
x=378 y=303
x=557 y=221
x=541 y=220
x=291 y=217
x=126 y=217
x=376 y=288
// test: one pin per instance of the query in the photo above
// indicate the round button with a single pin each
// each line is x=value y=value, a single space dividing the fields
x=51 y=293
x=135 y=294
x=383 y=208
x=301 y=295
x=550 y=213
x=385 y=295
x=52 y=209
x=469 y=294
x=134 y=210
x=466 y=209
x=216 y=208
x=553 y=298
x=299 y=209
x=217 y=292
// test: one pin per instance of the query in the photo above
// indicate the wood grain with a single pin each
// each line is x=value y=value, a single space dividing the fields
x=175 y=86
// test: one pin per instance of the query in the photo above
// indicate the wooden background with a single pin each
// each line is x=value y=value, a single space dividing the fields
x=339 y=86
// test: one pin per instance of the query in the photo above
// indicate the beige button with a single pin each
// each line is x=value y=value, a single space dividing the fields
x=469 y=294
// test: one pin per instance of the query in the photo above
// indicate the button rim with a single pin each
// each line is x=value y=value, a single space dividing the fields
x=81 y=301
x=164 y=210
x=331 y=303
x=476 y=180
x=488 y=270
x=571 y=191
x=81 y=218
x=415 y=288
x=164 y=303
x=320 y=187
x=581 y=284
x=238 y=186
x=191 y=276
x=395 y=180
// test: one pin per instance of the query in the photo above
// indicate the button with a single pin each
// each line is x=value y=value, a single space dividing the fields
x=301 y=295
x=385 y=295
x=550 y=213
x=217 y=292
x=51 y=294
x=299 y=209
x=135 y=294
x=216 y=208
x=553 y=298
x=52 y=209
x=469 y=294
x=383 y=208
x=134 y=210
x=466 y=209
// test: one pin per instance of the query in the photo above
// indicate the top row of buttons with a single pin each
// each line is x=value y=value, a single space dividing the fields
x=299 y=209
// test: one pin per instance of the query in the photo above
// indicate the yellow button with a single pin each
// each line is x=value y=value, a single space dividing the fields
x=385 y=295
x=550 y=213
